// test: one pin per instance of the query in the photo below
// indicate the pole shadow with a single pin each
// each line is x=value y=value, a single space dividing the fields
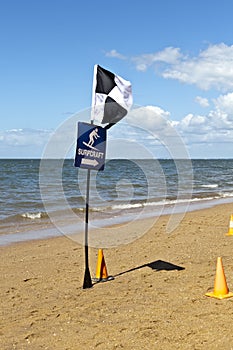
x=157 y=265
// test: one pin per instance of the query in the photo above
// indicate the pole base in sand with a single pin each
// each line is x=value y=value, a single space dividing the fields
x=87 y=283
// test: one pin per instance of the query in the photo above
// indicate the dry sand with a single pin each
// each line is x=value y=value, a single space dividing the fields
x=147 y=305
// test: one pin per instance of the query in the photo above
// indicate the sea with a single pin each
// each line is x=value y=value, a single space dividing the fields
x=38 y=197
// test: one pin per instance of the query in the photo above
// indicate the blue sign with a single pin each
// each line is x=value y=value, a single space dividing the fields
x=91 y=146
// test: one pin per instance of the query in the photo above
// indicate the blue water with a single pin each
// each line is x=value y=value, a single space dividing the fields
x=32 y=192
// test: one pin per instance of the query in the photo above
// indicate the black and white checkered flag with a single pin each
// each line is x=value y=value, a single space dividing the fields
x=111 y=96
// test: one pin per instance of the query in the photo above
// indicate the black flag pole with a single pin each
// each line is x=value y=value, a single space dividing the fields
x=87 y=276
x=87 y=283
x=104 y=83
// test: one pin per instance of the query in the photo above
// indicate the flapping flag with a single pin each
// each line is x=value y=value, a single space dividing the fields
x=111 y=96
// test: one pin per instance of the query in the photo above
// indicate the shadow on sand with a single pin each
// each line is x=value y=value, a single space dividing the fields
x=157 y=265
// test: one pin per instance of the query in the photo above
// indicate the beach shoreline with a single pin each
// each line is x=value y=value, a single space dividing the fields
x=156 y=301
x=32 y=230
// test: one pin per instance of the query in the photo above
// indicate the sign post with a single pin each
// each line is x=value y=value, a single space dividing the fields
x=111 y=101
x=90 y=155
x=87 y=283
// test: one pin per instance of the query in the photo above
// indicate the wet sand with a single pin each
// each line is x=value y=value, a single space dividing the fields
x=156 y=301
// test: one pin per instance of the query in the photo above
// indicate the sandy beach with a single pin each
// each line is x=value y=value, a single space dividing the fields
x=156 y=301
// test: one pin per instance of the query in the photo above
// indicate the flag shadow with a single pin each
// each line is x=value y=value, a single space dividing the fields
x=157 y=265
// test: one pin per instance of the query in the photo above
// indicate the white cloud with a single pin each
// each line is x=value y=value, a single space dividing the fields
x=23 y=142
x=214 y=128
x=211 y=68
x=151 y=127
x=151 y=118
x=115 y=54
x=202 y=101
x=193 y=124
x=24 y=137
x=206 y=135
x=169 y=55
x=224 y=103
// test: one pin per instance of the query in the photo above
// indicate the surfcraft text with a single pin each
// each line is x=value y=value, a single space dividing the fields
x=90 y=153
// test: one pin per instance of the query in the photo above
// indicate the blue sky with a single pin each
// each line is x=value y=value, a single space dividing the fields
x=178 y=56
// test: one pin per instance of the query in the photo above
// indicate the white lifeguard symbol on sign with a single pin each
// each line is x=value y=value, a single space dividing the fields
x=92 y=137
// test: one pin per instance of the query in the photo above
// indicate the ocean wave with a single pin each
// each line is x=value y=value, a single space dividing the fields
x=127 y=206
x=32 y=216
x=209 y=186
x=115 y=208
x=227 y=195
x=23 y=217
x=163 y=202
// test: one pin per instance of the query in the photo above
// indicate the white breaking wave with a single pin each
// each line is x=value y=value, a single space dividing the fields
x=163 y=202
x=32 y=216
x=227 y=194
x=210 y=186
x=127 y=206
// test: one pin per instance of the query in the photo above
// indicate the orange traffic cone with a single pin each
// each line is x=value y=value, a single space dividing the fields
x=221 y=290
x=230 y=232
x=101 y=269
